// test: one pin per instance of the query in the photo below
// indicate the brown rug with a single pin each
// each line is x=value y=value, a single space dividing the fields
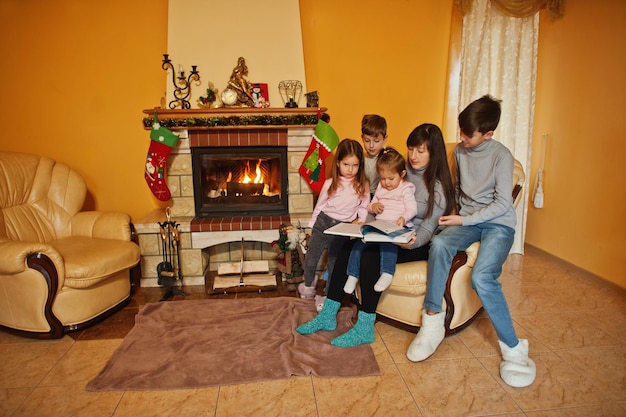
x=203 y=343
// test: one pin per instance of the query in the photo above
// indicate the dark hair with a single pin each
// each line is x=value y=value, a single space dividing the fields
x=482 y=115
x=391 y=159
x=374 y=125
x=346 y=148
x=437 y=169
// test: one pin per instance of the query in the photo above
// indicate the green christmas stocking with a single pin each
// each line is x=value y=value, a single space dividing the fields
x=313 y=169
x=162 y=141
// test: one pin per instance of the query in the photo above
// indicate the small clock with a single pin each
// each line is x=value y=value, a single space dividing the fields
x=229 y=97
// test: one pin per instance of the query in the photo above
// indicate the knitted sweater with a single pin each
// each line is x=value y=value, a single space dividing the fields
x=425 y=227
x=485 y=181
x=344 y=205
x=399 y=202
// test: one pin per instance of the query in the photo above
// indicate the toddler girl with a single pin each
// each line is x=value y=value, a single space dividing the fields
x=394 y=200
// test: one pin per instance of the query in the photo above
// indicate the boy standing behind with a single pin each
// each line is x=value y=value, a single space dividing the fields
x=486 y=214
x=374 y=137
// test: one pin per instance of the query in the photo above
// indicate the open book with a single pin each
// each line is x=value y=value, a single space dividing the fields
x=374 y=231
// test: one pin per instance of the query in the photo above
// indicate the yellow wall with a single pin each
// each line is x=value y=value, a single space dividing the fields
x=75 y=77
x=368 y=56
x=580 y=103
x=208 y=34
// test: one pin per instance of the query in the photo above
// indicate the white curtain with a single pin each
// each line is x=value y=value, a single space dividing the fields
x=499 y=57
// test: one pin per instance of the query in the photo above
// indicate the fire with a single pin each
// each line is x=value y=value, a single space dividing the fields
x=258 y=178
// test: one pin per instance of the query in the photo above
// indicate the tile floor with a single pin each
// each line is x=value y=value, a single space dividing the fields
x=574 y=322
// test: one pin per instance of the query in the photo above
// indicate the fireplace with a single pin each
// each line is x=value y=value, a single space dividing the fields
x=207 y=242
x=240 y=181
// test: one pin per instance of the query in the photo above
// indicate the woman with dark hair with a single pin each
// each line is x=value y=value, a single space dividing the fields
x=428 y=170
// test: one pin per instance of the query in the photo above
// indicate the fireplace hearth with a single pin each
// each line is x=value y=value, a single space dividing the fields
x=240 y=181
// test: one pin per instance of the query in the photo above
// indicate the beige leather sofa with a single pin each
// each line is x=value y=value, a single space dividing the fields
x=60 y=269
x=402 y=302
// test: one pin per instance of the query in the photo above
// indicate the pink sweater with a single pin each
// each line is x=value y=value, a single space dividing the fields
x=344 y=205
x=398 y=202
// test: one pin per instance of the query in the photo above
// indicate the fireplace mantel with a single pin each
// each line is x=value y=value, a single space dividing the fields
x=233 y=118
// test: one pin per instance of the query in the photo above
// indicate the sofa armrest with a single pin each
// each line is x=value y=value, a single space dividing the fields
x=15 y=256
x=106 y=225
x=472 y=253
x=31 y=275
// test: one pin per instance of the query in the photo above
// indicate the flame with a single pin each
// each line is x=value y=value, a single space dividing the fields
x=258 y=179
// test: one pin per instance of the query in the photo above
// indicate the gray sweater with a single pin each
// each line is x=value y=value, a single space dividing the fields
x=485 y=184
x=425 y=227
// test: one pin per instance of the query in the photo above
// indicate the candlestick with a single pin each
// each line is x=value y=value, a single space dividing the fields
x=182 y=85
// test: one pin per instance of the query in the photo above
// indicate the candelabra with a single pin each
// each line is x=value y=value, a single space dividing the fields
x=182 y=85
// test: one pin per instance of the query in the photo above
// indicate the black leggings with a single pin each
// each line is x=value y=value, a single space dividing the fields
x=369 y=273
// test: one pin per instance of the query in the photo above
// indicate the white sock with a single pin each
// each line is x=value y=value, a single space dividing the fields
x=350 y=284
x=383 y=282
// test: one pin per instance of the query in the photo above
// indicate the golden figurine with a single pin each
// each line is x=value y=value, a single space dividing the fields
x=239 y=85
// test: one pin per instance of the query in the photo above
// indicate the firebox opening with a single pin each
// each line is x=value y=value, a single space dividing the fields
x=233 y=181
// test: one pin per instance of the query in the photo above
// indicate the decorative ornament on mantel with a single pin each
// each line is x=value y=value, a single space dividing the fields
x=182 y=85
x=234 y=120
x=211 y=100
x=290 y=92
x=238 y=91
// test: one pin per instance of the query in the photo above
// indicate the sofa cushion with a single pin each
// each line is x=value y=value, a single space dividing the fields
x=91 y=260
x=409 y=278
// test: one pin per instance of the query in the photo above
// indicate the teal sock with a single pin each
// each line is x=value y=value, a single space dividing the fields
x=325 y=319
x=362 y=333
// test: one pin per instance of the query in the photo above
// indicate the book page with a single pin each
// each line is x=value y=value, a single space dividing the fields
x=384 y=226
x=345 y=229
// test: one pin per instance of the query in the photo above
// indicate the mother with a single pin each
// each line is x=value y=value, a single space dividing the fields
x=428 y=170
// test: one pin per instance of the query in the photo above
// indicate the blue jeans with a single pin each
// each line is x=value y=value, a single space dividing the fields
x=495 y=243
x=388 y=258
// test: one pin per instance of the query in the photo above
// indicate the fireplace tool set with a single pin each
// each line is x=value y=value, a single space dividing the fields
x=168 y=270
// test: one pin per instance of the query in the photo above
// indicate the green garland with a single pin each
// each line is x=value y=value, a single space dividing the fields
x=258 y=120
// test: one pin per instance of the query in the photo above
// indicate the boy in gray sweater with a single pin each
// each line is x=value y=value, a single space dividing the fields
x=486 y=214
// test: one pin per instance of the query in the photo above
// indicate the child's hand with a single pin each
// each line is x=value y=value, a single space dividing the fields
x=377 y=208
x=400 y=221
x=454 y=220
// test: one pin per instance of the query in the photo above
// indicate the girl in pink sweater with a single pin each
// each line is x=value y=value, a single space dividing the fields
x=344 y=197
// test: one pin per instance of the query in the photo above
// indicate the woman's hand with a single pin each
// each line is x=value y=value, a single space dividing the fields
x=453 y=220
x=409 y=244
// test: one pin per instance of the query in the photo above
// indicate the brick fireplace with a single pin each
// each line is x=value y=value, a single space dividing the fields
x=208 y=241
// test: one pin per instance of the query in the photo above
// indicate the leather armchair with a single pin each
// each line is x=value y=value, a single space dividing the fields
x=401 y=303
x=60 y=269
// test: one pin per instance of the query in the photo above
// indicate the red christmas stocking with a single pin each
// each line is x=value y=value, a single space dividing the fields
x=313 y=169
x=161 y=144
